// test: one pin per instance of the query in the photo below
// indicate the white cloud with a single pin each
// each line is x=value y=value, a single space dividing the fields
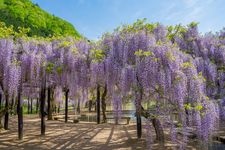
x=193 y=15
x=192 y=10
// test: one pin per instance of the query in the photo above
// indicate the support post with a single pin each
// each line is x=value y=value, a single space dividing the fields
x=66 y=105
x=104 y=104
x=6 y=121
x=139 y=94
x=28 y=105
x=31 y=105
x=37 y=105
x=98 y=104
x=42 y=108
x=49 y=104
x=59 y=108
x=20 y=113
x=139 y=126
x=0 y=100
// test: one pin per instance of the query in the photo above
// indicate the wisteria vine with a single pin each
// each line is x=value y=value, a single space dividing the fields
x=179 y=73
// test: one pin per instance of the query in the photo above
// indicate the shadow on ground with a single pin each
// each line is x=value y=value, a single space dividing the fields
x=81 y=136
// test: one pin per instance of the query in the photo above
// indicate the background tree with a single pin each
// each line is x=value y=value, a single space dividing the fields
x=25 y=14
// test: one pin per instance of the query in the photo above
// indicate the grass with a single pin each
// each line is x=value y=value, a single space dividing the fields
x=25 y=109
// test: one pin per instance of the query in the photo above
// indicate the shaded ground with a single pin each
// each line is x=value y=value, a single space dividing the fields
x=81 y=136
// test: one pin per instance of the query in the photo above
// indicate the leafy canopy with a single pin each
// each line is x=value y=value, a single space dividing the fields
x=25 y=14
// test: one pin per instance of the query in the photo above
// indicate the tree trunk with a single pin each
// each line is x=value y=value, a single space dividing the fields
x=104 y=104
x=31 y=106
x=6 y=123
x=117 y=113
x=138 y=99
x=42 y=108
x=28 y=106
x=0 y=111
x=66 y=105
x=0 y=101
x=187 y=117
x=55 y=108
x=37 y=105
x=2 y=114
x=90 y=105
x=139 y=125
x=59 y=108
x=158 y=129
x=78 y=106
x=98 y=104
x=20 y=114
x=49 y=104
x=156 y=124
x=1 y=126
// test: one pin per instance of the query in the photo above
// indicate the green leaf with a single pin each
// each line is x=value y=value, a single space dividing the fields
x=59 y=69
x=188 y=106
x=141 y=53
x=193 y=24
x=97 y=55
x=198 y=107
x=186 y=65
x=170 y=56
x=49 y=67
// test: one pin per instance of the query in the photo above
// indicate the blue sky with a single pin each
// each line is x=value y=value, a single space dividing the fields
x=94 y=17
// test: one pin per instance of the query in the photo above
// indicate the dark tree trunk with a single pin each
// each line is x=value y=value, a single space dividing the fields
x=78 y=107
x=42 y=108
x=1 y=126
x=6 y=123
x=0 y=101
x=31 y=106
x=187 y=117
x=1 y=112
x=90 y=105
x=49 y=104
x=104 y=104
x=139 y=94
x=28 y=105
x=20 y=114
x=59 y=108
x=98 y=104
x=66 y=105
x=37 y=105
x=158 y=129
x=139 y=126
x=156 y=124
x=117 y=116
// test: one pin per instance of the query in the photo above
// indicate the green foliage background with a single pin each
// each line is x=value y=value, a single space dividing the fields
x=25 y=14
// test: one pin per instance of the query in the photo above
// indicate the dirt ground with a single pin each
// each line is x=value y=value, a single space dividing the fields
x=81 y=136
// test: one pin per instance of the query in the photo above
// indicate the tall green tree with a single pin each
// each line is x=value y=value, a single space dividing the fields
x=23 y=13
